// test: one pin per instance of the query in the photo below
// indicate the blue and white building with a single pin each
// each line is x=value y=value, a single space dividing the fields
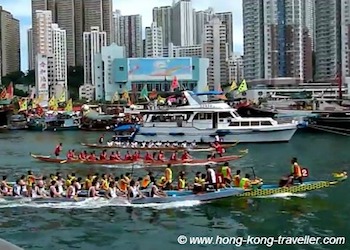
x=116 y=73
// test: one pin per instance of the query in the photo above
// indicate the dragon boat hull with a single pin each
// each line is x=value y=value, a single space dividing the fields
x=50 y=159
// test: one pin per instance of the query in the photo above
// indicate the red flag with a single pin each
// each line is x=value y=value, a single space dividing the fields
x=39 y=110
x=3 y=94
x=9 y=91
x=174 y=84
x=153 y=94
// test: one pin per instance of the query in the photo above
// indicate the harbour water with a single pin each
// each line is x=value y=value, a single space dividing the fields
x=98 y=224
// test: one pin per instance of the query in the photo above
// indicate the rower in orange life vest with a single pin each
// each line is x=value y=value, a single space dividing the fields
x=103 y=155
x=128 y=156
x=186 y=156
x=173 y=156
x=161 y=156
x=296 y=170
x=237 y=178
x=58 y=149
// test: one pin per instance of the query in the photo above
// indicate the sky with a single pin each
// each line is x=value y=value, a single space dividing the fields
x=21 y=9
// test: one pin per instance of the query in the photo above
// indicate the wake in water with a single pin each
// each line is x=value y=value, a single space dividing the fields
x=286 y=196
x=92 y=203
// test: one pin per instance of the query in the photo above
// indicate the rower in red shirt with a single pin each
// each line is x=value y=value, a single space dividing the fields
x=112 y=157
x=186 y=156
x=173 y=156
x=82 y=155
x=148 y=157
x=92 y=157
x=219 y=149
x=161 y=156
x=136 y=156
x=128 y=156
x=58 y=149
x=118 y=156
x=103 y=155
x=69 y=155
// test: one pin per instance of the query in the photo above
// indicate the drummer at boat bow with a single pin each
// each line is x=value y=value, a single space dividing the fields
x=58 y=149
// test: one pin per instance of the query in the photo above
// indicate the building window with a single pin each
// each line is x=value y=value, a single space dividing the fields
x=121 y=68
x=193 y=67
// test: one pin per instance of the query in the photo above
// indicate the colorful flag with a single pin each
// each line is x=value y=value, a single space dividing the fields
x=222 y=96
x=69 y=106
x=125 y=95
x=174 y=84
x=53 y=105
x=23 y=105
x=9 y=91
x=243 y=87
x=144 y=92
x=62 y=98
x=115 y=97
x=39 y=110
x=233 y=86
x=3 y=94
x=161 y=99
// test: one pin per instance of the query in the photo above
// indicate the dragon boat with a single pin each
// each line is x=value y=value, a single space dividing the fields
x=228 y=158
x=163 y=148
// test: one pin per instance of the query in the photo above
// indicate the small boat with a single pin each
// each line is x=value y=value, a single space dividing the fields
x=50 y=159
x=18 y=122
x=163 y=148
x=59 y=122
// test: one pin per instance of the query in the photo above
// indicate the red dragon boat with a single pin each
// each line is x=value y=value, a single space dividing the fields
x=50 y=159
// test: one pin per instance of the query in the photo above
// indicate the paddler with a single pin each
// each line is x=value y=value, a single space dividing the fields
x=112 y=157
x=186 y=156
x=226 y=173
x=173 y=156
x=71 y=190
x=5 y=189
x=123 y=183
x=92 y=156
x=58 y=149
x=148 y=156
x=136 y=156
x=237 y=178
x=181 y=182
x=197 y=184
x=146 y=180
x=155 y=192
x=93 y=190
x=31 y=178
x=53 y=190
x=103 y=155
x=168 y=173
x=83 y=155
x=296 y=170
x=88 y=182
x=101 y=139
x=211 y=178
x=133 y=191
x=219 y=148
x=104 y=182
x=245 y=182
x=161 y=156
x=70 y=155
x=127 y=156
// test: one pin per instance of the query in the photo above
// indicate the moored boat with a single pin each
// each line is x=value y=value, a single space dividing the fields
x=50 y=159
x=17 y=122
x=163 y=148
x=59 y=122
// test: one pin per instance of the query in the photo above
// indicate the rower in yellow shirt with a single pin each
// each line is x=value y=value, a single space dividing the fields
x=245 y=182
x=105 y=183
x=181 y=184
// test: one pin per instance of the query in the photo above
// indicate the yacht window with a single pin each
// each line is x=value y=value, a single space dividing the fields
x=203 y=116
x=244 y=123
x=266 y=123
x=225 y=115
x=255 y=123
x=235 y=124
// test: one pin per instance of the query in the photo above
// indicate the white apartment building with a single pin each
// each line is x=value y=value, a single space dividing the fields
x=274 y=40
x=183 y=51
x=93 y=41
x=215 y=48
x=59 y=65
x=130 y=28
x=43 y=32
x=162 y=16
x=227 y=19
x=116 y=26
x=182 y=23
x=309 y=20
x=153 y=41
x=87 y=92
x=235 y=69
x=202 y=18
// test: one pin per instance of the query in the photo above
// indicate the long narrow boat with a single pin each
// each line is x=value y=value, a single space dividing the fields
x=163 y=148
x=50 y=159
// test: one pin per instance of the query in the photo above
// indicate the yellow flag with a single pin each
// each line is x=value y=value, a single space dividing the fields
x=161 y=99
x=115 y=97
x=53 y=105
x=233 y=86
x=23 y=105
x=69 y=106
x=243 y=87
x=126 y=96
x=62 y=98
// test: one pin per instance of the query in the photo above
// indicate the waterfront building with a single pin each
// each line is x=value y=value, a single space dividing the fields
x=183 y=51
x=87 y=92
x=202 y=18
x=116 y=26
x=76 y=16
x=153 y=41
x=235 y=69
x=31 y=59
x=274 y=42
x=131 y=74
x=215 y=48
x=227 y=20
x=104 y=71
x=130 y=28
x=162 y=16
x=9 y=43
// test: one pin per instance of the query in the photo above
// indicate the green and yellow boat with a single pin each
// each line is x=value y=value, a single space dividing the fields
x=260 y=189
